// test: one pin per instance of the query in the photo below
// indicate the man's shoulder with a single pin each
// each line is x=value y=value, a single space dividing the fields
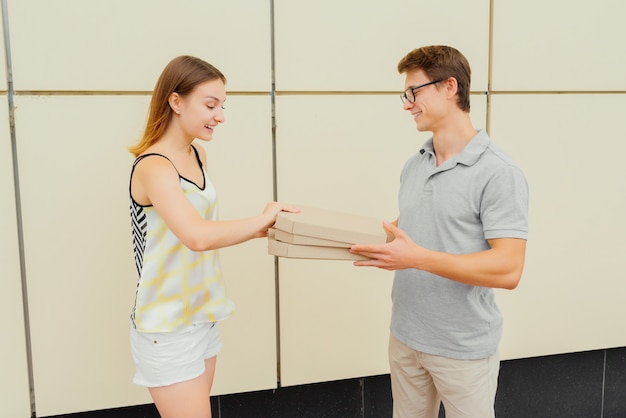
x=499 y=156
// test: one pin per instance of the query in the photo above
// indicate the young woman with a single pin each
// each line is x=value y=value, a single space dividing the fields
x=180 y=294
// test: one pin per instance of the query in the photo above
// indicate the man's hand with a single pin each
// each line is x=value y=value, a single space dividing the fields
x=397 y=254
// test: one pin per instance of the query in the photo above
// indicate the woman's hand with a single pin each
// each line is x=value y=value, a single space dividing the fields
x=272 y=209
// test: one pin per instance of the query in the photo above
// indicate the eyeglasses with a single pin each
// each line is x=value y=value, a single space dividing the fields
x=409 y=94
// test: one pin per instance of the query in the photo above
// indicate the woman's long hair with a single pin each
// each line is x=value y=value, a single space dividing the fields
x=181 y=75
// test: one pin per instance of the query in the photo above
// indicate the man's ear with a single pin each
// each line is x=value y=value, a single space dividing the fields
x=452 y=86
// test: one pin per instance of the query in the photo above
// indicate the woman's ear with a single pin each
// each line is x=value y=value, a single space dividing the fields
x=174 y=102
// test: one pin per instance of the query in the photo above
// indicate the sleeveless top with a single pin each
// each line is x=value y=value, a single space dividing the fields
x=177 y=287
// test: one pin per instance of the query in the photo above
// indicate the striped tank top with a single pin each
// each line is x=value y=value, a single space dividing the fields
x=176 y=286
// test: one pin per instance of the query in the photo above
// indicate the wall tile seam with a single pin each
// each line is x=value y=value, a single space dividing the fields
x=10 y=93
x=306 y=92
x=115 y=93
x=603 y=384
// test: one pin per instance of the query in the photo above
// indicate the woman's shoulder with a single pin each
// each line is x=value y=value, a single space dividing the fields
x=153 y=163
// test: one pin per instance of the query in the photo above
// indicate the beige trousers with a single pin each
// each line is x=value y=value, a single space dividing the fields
x=419 y=382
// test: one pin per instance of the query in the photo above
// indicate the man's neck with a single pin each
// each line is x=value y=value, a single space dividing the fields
x=450 y=139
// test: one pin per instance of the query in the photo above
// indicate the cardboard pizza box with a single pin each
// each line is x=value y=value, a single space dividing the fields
x=290 y=238
x=332 y=225
x=283 y=249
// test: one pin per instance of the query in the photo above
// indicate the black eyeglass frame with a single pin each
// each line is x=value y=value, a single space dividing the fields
x=405 y=97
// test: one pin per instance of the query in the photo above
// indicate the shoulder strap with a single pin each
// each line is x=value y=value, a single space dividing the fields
x=197 y=156
x=141 y=157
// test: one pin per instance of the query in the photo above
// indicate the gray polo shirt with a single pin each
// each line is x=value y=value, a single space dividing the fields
x=477 y=195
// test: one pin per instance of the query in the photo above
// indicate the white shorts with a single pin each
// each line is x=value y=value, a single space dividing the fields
x=165 y=358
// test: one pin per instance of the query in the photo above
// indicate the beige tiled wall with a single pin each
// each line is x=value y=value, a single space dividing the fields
x=570 y=298
x=14 y=374
x=3 y=64
x=341 y=152
x=239 y=163
x=74 y=179
x=120 y=45
x=355 y=45
x=82 y=72
x=559 y=45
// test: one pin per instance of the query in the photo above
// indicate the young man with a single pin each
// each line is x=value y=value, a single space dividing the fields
x=461 y=231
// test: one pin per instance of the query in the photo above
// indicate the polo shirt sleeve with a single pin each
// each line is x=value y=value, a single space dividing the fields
x=504 y=207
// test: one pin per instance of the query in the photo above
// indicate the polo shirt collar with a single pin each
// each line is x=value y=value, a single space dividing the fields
x=470 y=154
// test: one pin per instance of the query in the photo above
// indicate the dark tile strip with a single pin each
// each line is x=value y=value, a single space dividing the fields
x=589 y=384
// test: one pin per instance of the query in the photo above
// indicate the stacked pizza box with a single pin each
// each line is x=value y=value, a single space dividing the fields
x=323 y=234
